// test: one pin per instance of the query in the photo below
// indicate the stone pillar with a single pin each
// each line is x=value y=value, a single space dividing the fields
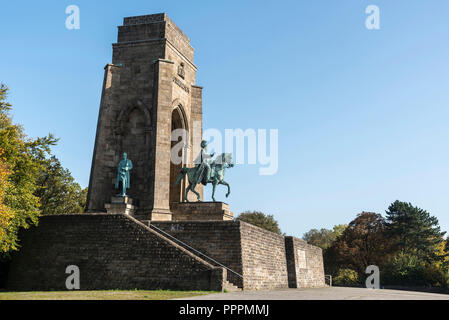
x=102 y=169
x=162 y=142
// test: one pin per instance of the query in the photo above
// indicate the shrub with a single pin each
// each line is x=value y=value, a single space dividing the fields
x=346 y=277
x=409 y=270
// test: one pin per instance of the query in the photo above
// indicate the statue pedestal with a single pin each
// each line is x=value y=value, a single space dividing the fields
x=153 y=215
x=209 y=211
x=121 y=205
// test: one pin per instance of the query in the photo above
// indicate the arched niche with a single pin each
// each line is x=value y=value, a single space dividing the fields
x=133 y=134
x=178 y=121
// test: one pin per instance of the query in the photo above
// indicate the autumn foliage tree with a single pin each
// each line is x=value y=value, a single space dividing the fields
x=23 y=164
x=407 y=246
x=362 y=243
x=21 y=158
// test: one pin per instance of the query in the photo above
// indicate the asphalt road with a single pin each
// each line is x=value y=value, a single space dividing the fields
x=328 y=293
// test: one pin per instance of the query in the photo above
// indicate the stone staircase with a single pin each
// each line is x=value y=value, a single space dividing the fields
x=229 y=285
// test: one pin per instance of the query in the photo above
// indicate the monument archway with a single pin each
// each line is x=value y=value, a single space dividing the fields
x=178 y=121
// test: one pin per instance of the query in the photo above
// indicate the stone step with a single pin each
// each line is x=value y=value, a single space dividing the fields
x=212 y=262
x=229 y=287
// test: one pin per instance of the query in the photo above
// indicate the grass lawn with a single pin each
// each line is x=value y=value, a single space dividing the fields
x=101 y=295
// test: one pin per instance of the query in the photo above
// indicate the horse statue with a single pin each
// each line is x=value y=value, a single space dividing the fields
x=196 y=175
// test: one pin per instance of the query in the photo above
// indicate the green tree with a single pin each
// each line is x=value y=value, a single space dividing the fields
x=23 y=158
x=362 y=243
x=6 y=213
x=408 y=270
x=324 y=238
x=261 y=220
x=57 y=190
x=414 y=231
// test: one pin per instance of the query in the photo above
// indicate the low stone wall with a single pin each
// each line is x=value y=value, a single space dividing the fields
x=111 y=251
x=304 y=263
x=263 y=257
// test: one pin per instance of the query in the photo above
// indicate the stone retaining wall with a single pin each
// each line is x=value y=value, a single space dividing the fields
x=119 y=252
x=263 y=258
x=304 y=263
x=111 y=251
x=264 y=261
x=219 y=240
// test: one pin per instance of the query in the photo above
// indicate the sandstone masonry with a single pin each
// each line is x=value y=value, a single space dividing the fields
x=152 y=239
x=111 y=251
x=119 y=252
x=148 y=91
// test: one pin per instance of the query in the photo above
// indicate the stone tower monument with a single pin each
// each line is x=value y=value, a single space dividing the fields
x=148 y=91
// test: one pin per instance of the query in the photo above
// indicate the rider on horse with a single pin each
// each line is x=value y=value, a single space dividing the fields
x=206 y=171
x=203 y=164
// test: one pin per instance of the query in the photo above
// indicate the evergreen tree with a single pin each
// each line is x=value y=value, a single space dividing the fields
x=413 y=230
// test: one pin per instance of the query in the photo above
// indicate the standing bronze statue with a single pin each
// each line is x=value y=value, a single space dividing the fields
x=123 y=169
x=206 y=171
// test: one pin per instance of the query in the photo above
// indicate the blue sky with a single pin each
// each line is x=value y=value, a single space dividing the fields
x=362 y=115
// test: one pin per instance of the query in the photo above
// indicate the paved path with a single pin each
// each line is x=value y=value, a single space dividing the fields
x=329 y=293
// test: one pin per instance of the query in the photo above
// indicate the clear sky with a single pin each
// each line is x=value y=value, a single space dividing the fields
x=362 y=114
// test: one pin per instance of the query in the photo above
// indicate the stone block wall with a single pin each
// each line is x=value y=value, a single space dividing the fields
x=259 y=255
x=304 y=263
x=219 y=240
x=263 y=258
x=119 y=252
x=111 y=251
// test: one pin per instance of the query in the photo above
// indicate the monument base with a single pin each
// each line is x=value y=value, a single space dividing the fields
x=160 y=215
x=146 y=215
x=210 y=211
x=121 y=205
